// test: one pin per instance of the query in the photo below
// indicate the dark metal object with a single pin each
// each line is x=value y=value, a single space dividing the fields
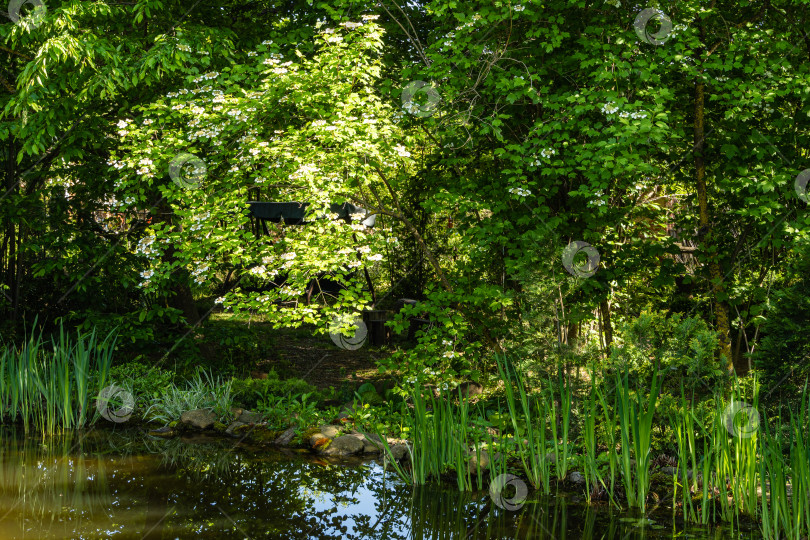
x=294 y=213
x=378 y=333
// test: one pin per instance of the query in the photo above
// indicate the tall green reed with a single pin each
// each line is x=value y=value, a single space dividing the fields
x=635 y=427
x=49 y=389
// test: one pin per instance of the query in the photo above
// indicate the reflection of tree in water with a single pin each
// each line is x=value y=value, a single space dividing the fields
x=156 y=489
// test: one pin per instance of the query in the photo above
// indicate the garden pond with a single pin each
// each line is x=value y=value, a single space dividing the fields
x=124 y=484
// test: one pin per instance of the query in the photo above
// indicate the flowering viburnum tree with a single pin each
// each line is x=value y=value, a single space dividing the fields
x=277 y=125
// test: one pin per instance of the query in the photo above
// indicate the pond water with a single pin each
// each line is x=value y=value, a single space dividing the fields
x=124 y=484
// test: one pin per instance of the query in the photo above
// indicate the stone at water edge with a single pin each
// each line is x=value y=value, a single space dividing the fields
x=345 y=445
x=318 y=439
x=329 y=431
x=399 y=450
x=198 y=418
x=166 y=432
x=285 y=438
x=250 y=417
x=230 y=429
x=576 y=478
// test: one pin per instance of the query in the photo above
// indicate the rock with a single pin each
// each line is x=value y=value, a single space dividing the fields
x=669 y=470
x=398 y=450
x=230 y=430
x=345 y=445
x=250 y=417
x=576 y=478
x=329 y=431
x=314 y=439
x=372 y=444
x=219 y=426
x=469 y=389
x=198 y=418
x=479 y=460
x=166 y=432
x=285 y=438
x=551 y=457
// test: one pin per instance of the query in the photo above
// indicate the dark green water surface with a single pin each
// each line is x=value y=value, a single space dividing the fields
x=123 y=485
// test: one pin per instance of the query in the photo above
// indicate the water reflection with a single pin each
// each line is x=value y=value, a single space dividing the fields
x=127 y=485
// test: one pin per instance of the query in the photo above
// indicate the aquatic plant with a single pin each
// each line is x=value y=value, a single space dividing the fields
x=50 y=389
x=203 y=391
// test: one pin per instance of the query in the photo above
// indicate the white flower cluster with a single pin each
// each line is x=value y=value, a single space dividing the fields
x=353 y=264
x=519 y=7
x=375 y=257
x=147 y=247
x=274 y=58
x=183 y=47
x=253 y=53
x=402 y=151
x=211 y=75
x=199 y=274
x=144 y=167
x=267 y=42
x=520 y=191
x=611 y=108
x=548 y=152
x=116 y=164
x=351 y=25
x=370 y=17
x=599 y=200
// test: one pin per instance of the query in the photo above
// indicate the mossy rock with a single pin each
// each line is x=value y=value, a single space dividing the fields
x=305 y=436
x=661 y=480
x=256 y=433
x=220 y=427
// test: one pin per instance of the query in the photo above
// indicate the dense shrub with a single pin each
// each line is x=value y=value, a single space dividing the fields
x=249 y=392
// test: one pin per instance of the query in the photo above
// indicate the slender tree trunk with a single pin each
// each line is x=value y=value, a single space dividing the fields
x=721 y=311
x=607 y=326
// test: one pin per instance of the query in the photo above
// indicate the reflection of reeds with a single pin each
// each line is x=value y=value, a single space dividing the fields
x=44 y=485
x=199 y=461
x=48 y=389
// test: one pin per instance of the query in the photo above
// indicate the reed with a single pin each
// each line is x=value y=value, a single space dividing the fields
x=635 y=427
x=49 y=389
x=531 y=439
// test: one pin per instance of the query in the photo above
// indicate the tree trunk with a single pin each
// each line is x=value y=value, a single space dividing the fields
x=705 y=233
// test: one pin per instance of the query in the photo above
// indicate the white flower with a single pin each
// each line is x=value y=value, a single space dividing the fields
x=252 y=53
x=122 y=124
x=219 y=300
x=520 y=191
x=446 y=343
x=351 y=25
x=609 y=108
x=370 y=17
x=267 y=42
x=402 y=151
x=364 y=249
x=519 y=8
x=375 y=257
x=290 y=255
